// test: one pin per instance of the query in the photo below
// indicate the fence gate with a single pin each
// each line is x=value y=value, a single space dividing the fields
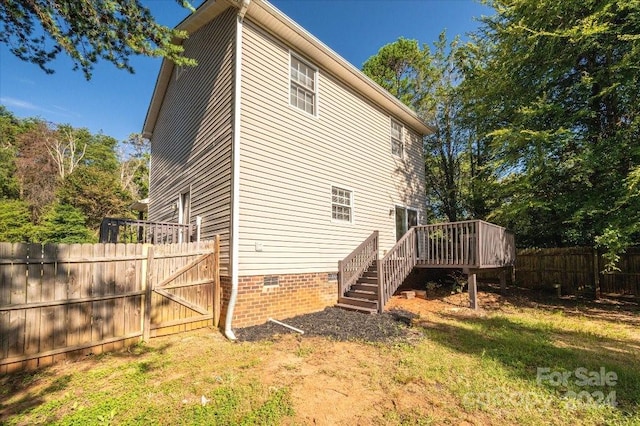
x=181 y=292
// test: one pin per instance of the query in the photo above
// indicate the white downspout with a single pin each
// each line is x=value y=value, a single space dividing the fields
x=235 y=175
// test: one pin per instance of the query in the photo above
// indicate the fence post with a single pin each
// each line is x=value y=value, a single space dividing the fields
x=217 y=293
x=148 y=289
x=596 y=274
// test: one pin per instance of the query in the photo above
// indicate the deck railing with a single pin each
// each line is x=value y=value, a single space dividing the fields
x=395 y=266
x=466 y=244
x=471 y=244
x=452 y=244
x=497 y=246
x=115 y=230
x=355 y=264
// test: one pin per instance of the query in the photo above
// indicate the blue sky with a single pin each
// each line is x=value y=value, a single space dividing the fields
x=115 y=102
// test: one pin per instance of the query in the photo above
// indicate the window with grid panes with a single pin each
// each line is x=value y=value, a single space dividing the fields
x=341 y=204
x=396 y=138
x=303 y=86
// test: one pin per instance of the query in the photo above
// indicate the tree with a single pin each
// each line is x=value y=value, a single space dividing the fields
x=10 y=126
x=15 y=221
x=63 y=223
x=445 y=148
x=87 y=30
x=36 y=171
x=134 y=165
x=65 y=150
x=428 y=82
x=404 y=69
x=96 y=193
x=556 y=87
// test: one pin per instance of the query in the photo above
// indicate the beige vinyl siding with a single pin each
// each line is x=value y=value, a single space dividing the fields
x=191 y=142
x=290 y=160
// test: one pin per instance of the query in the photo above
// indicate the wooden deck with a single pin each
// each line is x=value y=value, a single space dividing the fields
x=468 y=245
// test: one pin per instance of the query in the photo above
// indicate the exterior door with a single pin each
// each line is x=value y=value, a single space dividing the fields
x=405 y=219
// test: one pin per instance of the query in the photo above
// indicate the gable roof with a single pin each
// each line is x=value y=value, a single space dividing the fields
x=284 y=28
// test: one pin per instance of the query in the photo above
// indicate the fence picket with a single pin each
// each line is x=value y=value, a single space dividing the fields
x=6 y=251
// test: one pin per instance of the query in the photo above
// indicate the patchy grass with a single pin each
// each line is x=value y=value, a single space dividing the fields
x=495 y=366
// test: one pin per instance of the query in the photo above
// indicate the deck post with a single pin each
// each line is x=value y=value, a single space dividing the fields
x=473 y=289
x=381 y=285
x=340 y=280
x=503 y=281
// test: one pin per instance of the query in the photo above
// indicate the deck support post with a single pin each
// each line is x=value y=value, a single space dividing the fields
x=503 y=281
x=473 y=288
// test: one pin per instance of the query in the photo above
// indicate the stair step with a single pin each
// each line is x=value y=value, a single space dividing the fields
x=370 y=274
x=366 y=280
x=365 y=287
x=356 y=308
x=360 y=294
x=357 y=301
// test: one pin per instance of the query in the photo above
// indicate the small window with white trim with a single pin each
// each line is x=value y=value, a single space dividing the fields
x=341 y=204
x=303 y=86
x=397 y=147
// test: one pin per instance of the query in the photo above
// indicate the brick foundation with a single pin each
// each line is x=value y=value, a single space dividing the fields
x=260 y=298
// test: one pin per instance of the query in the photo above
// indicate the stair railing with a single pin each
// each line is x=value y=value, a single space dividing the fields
x=357 y=262
x=395 y=266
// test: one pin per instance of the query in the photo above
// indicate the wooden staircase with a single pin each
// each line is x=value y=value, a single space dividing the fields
x=363 y=295
x=366 y=282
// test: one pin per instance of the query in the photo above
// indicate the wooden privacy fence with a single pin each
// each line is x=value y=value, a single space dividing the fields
x=578 y=270
x=69 y=300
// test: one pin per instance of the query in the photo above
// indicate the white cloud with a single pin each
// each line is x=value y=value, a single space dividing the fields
x=18 y=103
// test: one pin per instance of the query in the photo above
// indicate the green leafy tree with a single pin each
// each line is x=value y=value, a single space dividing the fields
x=15 y=221
x=404 y=68
x=557 y=99
x=87 y=31
x=135 y=154
x=10 y=126
x=63 y=223
x=427 y=81
x=96 y=193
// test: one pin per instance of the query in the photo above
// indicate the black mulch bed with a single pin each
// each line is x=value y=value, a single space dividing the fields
x=337 y=324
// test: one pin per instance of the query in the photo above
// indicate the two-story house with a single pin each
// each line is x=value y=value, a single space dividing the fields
x=286 y=151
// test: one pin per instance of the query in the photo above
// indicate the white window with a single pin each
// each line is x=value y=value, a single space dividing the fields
x=341 y=204
x=303 y=86
x=396 y=138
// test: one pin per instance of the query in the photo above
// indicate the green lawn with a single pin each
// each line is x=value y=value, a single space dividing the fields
x=504 y=365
